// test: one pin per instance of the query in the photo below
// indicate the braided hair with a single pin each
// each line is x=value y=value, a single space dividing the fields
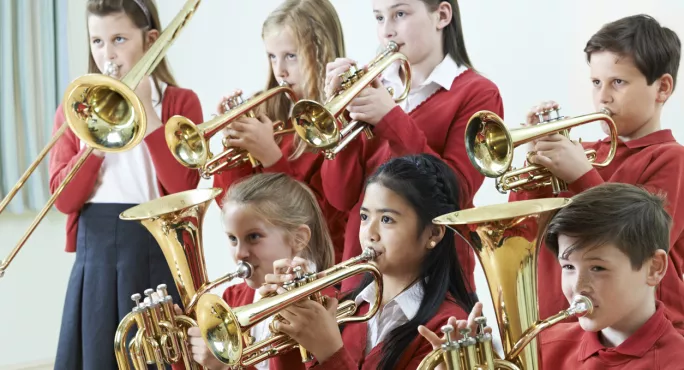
x=431 y=188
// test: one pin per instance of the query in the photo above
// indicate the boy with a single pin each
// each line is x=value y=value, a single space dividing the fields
x=634 y=63
x=612 y=244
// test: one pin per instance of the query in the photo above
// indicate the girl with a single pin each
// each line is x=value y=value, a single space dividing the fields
x=300 y=37
x=422 y=278
x=264 y=226
x=115 y=259
x=445 y=92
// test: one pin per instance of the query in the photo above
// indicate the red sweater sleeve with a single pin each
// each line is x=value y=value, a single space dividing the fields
x=405 y=137
x=343 y=177
x=341 y=360
x=63 y=157
x=173 y=176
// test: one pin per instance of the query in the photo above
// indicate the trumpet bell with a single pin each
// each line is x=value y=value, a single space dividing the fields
x=220 y=329
x=489 y=144
x=315 y=124
x=186 y=143
x=104 y=113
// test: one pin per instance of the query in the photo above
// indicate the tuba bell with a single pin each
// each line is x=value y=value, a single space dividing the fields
x=490 y=144
x=327 y=126
x=189 y=144
x=175 y=221
x=226 y=329
x=104 y=113
x=506 y=239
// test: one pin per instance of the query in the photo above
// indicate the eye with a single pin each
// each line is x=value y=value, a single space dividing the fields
x=364 y=217
x=567 y=267
x=379 y=18
x=253 y=237
x=596 y=82
x=386 y=220
x=233 y=239
x=119 y=39
x=291 y=56
x=271 y=56
x=400 y=14
x=619 y=82
x=597 y=268
x=95 y=41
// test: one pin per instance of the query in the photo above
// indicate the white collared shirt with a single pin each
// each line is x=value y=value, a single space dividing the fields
x=393 y=314
x=441 y=77
x=130 y=176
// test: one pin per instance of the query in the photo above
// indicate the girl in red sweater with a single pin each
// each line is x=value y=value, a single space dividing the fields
x=300 y=37
x=421 y=273
x=445 y=92
x=268 y=217
x=115 y=258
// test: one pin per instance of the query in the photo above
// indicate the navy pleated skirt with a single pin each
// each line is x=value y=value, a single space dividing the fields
x=114 y=260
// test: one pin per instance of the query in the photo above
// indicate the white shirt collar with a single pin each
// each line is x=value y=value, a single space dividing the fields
x=408 y=300
x=443 y=74
x=156 y=97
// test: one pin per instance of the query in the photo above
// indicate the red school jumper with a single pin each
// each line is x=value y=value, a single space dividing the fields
x=436 y=126
x=172 y=177
x=655 y=346
x=656 y=162
x=306 y=169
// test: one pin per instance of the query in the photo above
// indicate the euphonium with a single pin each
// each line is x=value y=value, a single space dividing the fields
x=104 y=113
x=175 y=221
x=490 y=144
x=319 y=125
x=226 y=330
x=189 y=144
x=506 y=239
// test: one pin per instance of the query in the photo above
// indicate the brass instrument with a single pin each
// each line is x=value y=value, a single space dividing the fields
x=319 y=124
x=226 y=330
x=103 y=112
x=189 y=143
x=490 y=144
x=506 y=239
x=175 y=221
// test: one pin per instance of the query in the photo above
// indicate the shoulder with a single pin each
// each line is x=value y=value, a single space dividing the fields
x=238 y=295
x=448 y=309
x=180 y=93
x=562 y=333
x=473 y=82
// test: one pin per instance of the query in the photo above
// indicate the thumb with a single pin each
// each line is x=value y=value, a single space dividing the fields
x=331 y=305
x=431 y=337
x=177 y=309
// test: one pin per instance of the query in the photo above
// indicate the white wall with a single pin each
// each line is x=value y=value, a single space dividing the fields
x=532 y=49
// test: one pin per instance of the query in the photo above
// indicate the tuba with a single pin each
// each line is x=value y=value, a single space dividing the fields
x=490 y=146
x=105 y=113
x=189 y=144
x=226 y=329
x=506 y=239
x=175 y=221
x=319 y=125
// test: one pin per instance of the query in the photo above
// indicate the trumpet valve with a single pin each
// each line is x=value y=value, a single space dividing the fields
x=451 y=352
x=542 y=116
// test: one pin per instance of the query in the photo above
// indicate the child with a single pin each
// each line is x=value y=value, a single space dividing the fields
x=445 y=92
x=421 y=274
x=115 y=259
x=611 y=243
x=634 y=63
x=290 y=33
x=268 y=217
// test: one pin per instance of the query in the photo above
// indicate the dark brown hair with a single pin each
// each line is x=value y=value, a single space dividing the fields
x=452 y=35
x=629 y=217
x=655 y=50
x=131 y=8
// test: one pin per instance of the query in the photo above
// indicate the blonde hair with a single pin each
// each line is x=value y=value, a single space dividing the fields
x=287 y=204
x=140 y=19
x=318 y=31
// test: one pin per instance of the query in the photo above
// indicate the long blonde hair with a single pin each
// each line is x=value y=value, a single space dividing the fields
x=318 y=31
x=287 y=204
x=140 y=19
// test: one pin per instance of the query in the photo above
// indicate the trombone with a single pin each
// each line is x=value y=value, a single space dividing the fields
x=189 y=143
x=490 y=144
x=104 y=113
x=319 y=124
x=226 y=329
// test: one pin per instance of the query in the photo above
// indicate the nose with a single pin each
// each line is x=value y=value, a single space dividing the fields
x=582 y=284
x=369 y=233
x=241 y=252
x=110 y=52
x=280 y=69
x=388 y=30
x=605 y=95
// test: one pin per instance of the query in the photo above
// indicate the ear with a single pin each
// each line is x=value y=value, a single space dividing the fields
x=444 y=13
x=150 y=37
x=665 y=87
x=657 y=266
x=436 y=235
x=302 y=236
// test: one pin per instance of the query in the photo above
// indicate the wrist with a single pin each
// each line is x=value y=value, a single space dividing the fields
x=326 y=353
x=271 y=157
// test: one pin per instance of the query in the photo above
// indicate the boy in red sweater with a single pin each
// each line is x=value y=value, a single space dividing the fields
x=634 y=63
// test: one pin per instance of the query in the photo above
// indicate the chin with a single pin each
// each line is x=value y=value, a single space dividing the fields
x=253 y=284
x=590 y=324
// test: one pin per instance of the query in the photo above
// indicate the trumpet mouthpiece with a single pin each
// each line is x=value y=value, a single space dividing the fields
x=244 y=270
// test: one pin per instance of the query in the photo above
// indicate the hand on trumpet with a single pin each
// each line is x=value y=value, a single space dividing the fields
x=333 y=70
x=282 y=272
x=144 y=92
x=200 y=352
x=437 y=341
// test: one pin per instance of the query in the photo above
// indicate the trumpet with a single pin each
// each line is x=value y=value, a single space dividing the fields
x=319 y=124
x=226 y=330
x=189 y=143
x=176 y=223
x=506 y=239
x=104 y=113
x=490 y=146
